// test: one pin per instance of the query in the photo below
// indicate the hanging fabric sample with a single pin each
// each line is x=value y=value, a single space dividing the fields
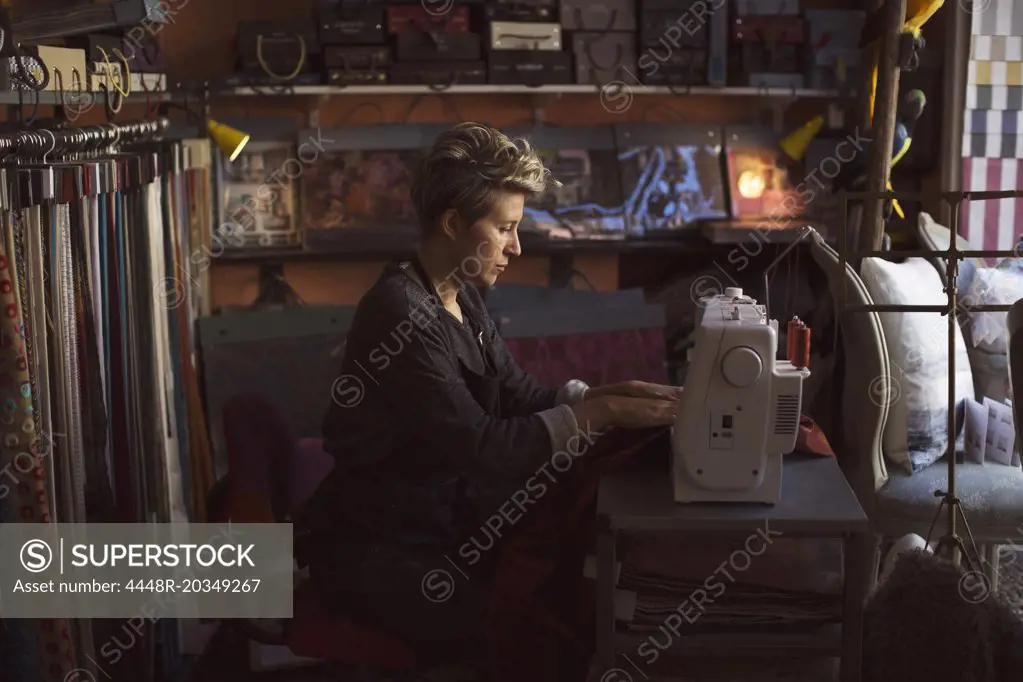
x=99 y=402
x=33 y=650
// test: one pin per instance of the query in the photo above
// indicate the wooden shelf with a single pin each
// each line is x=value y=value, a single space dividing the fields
x=711 y=237
x=283 y=90
x=384 y=250
x=85 y=100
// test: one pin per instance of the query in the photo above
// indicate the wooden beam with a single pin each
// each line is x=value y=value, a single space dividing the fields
x=956 y=61
x=883 y=127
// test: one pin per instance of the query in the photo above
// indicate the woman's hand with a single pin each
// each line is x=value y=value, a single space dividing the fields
x=626 y=412
x=641 y=413
x=636 y=389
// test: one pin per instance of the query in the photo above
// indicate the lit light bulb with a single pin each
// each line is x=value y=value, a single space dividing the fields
x=751 y=185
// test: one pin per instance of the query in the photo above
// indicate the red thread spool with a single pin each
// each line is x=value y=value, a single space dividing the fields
x=800 y=358
x=790 y=337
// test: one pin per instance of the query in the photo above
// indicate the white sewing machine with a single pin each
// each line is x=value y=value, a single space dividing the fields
x=739 y=412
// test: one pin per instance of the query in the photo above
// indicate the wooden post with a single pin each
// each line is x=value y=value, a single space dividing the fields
x=867 y=61
x=883 y=128
x=953 y=109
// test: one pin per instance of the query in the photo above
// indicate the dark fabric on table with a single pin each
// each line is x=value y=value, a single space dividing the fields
x=541 y=622
x=596 y=358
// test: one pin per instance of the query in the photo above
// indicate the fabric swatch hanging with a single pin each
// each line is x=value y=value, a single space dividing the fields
x=44 y=649
x=100 y=410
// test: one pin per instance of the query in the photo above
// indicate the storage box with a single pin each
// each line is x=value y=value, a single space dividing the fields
x=521 y=35
x=418 y=46
x=606 y=15
x=522 y=10
x=402 y=18
x=63 y=63
x=531 y=67
x=601 y=58
x=361 y=25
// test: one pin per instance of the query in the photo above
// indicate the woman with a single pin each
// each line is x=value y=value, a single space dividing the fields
x=434 y=427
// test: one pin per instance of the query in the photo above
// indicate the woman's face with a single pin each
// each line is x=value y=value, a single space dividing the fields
x=484 y=250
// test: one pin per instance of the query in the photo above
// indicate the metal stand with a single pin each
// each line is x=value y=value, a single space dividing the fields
x=950 y=545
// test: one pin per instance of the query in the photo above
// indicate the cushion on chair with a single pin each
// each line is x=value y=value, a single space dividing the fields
x=991 y=495
x=990 y=374
x=935 y=237
x=991 y=286
x=916 y=434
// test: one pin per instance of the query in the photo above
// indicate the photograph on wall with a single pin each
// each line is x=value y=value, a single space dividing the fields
x=359 y=189
x=258 y=200
x=588 y=205
x=668 y=187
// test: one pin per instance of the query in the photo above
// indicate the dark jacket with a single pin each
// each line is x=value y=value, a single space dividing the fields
x=432 y=424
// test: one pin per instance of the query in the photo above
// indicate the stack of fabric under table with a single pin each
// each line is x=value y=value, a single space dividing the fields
x=761 y=580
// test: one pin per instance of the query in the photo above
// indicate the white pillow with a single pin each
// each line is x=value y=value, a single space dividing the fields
x=916 y=434
x=991 y=286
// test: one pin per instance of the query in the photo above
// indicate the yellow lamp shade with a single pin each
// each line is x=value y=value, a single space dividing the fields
x=797 y=142
x=230 y=141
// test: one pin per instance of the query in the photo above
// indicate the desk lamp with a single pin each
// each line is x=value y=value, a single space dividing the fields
x=230 y=141
x=798 y=141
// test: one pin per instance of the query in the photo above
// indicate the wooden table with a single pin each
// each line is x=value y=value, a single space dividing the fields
x=816 y=502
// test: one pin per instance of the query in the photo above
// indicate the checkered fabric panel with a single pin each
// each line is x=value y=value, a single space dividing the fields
x=993 y=128
x=993 y=224
x=996 y=18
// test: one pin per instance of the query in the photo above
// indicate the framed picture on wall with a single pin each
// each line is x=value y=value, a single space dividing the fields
x=761 y=185
x=359 y=189
x=588 y=204
x=358 y=193
x=672 y=176
x=258 y=199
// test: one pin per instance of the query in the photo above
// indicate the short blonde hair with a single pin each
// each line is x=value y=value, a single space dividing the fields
x=467 y=165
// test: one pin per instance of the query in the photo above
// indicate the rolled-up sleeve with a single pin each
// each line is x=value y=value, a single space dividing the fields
x=522 y=395
x=572 y=393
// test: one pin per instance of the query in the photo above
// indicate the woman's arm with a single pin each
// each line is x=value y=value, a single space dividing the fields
x=423 y=389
